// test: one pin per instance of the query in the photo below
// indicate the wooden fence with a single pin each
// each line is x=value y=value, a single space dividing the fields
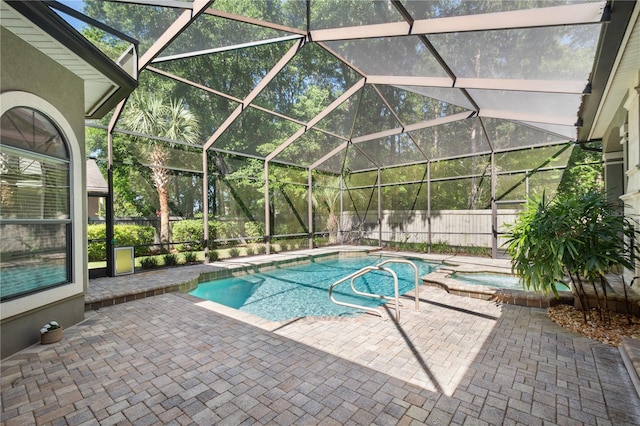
x=454 y=227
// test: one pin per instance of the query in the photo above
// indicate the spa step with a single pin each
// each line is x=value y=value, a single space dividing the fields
x=630 y=351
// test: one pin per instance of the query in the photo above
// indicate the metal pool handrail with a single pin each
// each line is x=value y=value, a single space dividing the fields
x=415 y=269
x=359 y=273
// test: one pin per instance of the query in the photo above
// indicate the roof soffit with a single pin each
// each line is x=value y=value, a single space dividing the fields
x=105 y=82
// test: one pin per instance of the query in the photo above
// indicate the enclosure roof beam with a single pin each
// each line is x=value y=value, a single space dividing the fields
x=531 y=146
x=367 y=156
x=416 y=126
x=440 y=120
x=252 y=21
x=551 y=86
x=402 y=80
x=377 y=135
x=116 y=114
x=175 y=4
x=450 y=178
x=535 y=118
x=391 y=29
x=330 y=154
x=342 y=59
x=142 y=135
x=192 y=84
x=221 y=94
x=255 y=92
x=174 y=30
x=255 y=157
x=225 y=48
x=399 y=120
x=572 y=14
x=315 y=120
x=486 y=134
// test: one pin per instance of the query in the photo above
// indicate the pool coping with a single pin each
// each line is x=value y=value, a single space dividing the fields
x=442 y=278
x=616 y=301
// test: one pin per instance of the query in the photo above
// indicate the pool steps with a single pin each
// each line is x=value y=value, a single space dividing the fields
x=379 y=267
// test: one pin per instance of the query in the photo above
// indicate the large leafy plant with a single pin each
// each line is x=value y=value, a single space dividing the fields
x=580 y=236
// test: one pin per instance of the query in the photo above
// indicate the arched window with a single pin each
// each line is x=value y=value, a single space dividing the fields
x=35 y=204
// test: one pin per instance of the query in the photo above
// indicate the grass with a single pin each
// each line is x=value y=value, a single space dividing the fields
x=223 y=253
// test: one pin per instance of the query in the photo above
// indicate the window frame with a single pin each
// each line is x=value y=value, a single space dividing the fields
x=23 y=153
x=70 y=123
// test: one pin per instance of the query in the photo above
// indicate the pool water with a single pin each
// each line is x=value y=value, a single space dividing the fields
x=303 y=290
x=495 y=280
x=19 y=280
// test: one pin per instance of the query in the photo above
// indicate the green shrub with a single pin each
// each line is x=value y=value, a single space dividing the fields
x=440 y=247
x=190 y=257
x=582 y=235
x=149 y=262
x=253 y=229
x=234 y=252
x=226 y=230
x=97 y=251
x=125 y=236
x=477 y=251
x=262 y=249
x=213 y=256
x=191 y=233
x=170 y=259
x=250 y=251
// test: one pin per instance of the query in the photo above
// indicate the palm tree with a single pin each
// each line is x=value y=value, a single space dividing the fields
x=327 y=197
x=151 y=114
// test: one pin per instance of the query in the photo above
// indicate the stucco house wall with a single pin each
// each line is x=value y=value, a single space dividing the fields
x=31 y=79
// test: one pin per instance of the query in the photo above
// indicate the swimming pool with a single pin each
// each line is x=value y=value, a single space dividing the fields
x=303 y=290
x=496 y=280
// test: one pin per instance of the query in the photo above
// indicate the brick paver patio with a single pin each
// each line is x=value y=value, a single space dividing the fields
x=173 y=359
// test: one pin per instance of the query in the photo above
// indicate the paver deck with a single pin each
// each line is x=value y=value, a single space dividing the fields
x=174 y=359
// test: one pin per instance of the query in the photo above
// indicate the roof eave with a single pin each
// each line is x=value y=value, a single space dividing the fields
x=610 y=43
x=56 y=27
